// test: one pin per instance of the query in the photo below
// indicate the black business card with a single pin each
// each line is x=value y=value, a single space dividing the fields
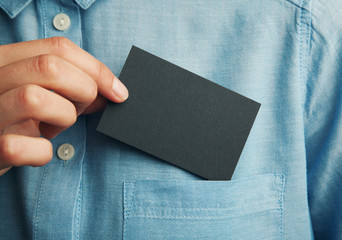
x=180 y=117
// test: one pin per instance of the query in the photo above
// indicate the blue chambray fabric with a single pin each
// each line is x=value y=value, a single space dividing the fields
x=284 y=54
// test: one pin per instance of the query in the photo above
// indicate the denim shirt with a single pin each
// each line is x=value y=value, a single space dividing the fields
x=285 y=54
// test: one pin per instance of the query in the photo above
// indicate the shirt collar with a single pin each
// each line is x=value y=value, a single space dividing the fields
x=14 y=7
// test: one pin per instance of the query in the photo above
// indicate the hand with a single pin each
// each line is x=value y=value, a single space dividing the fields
x=28 y=107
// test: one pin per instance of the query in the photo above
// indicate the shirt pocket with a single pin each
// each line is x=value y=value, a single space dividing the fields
x=249 y=208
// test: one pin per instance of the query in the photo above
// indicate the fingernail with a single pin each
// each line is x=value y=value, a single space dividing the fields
x=119 y=89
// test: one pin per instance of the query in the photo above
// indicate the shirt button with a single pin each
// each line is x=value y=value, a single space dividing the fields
x=66 y=151
x=61 y=22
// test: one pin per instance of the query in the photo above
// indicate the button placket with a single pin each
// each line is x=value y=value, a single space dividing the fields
x=62 y=178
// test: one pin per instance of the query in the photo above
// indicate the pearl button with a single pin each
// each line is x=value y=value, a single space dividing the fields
x=66 y=151
x=61 y=22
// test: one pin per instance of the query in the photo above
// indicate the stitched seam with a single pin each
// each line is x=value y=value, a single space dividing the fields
x=140 y=205
x=305 y=27
x=305 y=31
x=79 y=194
x=42 y=187
x=43 y=18
x=80 y=29
x=203 y=212
x=124 y=212
x=199 y=217
x=247 y=179
x=127 y=207
x=300 y=42
x=304 y=43
x=281 y=204
x=78 y=215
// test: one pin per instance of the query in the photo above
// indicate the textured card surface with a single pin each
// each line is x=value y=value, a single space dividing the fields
x=180 y=117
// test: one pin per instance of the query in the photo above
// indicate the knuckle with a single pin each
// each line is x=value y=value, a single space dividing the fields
x=72 y=117
x=29 y=98
x=47 y=66
x=92 y=91
x=8 y=148
x=48 y=154
x=60 y=45
x=69 y=116
x=101 y=71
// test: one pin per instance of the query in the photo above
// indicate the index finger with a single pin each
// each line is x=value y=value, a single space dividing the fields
x=108 y=84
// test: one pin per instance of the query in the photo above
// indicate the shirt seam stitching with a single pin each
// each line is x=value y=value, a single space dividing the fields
x=44 y=19
x=197 y=217
x=41 y=191
x=125 y=212
x=304 y=43
x=281 y=205
x=78 y=214
x=305 y=36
